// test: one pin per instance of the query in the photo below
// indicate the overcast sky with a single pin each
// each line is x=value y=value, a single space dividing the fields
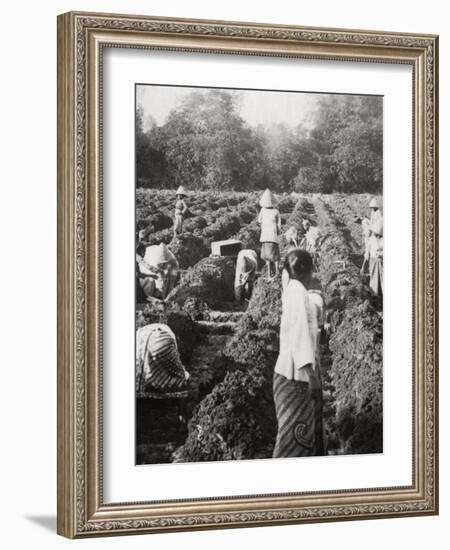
x=256 y=107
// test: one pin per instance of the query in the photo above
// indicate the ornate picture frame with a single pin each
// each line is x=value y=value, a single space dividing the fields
x=82 y=38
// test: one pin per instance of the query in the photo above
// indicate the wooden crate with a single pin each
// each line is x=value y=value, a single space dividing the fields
x=229 y=247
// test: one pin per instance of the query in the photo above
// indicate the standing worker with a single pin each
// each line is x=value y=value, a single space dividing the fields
x=375 y=257
x=297 y=388
x=374 y=252
x=180 y=211
x=270 y=220
x=246 y=266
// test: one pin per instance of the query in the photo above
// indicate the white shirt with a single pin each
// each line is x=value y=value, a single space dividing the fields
x=270 y=221
x=376 y=222
x=298 y=333
x=374 y=248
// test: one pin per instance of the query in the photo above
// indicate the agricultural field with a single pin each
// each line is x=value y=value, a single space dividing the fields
x=230 y=348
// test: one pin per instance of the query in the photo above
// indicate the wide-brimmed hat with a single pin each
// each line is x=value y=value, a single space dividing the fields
x=162 y=255
x=266 y=199
x=375 y=203
x=181 y=191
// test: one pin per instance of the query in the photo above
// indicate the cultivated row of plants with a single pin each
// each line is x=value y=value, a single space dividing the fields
x=155 y=207
x=347 y=211
x=356 y=341
x=236 y=420
x=237 y=220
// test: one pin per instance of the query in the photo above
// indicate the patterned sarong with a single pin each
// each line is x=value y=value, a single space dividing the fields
x=299 y=415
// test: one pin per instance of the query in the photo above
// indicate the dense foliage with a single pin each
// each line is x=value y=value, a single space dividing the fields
x=356 y=342
x=206 y=144
x=237 y=419
x=207 y=284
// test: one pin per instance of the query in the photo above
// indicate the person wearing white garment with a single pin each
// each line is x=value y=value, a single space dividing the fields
x=270 y=220
x=180 y=211
x=373 y=254
x=297 y=387
x=162 y=262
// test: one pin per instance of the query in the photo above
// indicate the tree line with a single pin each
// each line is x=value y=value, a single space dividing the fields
x=206 y=144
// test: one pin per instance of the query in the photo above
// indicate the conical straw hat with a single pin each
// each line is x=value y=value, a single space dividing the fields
x=266 y=199
x=162 y=255
x=180 y=191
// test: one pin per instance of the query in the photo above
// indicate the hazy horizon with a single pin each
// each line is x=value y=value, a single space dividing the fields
x=256 y=107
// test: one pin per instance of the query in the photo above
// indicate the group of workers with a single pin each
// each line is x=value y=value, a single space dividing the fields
x=157 y=268
x=297 y=387
x=306 y=237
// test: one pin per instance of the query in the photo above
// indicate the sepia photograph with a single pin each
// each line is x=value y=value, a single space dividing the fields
x=259 y=274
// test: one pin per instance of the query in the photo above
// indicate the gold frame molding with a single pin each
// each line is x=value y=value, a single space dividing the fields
x=81 y=37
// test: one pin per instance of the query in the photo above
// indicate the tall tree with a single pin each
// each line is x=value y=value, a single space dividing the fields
x=208 y=144
x=347 y=139
x=151 y=165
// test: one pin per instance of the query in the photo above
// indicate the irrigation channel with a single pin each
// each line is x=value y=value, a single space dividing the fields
x=230 y=348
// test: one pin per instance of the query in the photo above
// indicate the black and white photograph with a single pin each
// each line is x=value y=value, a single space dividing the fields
x=259 y=274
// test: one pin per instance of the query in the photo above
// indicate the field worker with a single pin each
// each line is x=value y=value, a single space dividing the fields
x=145 y=276
x=312 y=238
x=311 y=241
x=270 y=220
x=180 y=211
x=302 y=230
x=164 y=264
x=158 y=363
x=375 y=259
x=292 y=237
x=297 y=388
x=246 y=266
